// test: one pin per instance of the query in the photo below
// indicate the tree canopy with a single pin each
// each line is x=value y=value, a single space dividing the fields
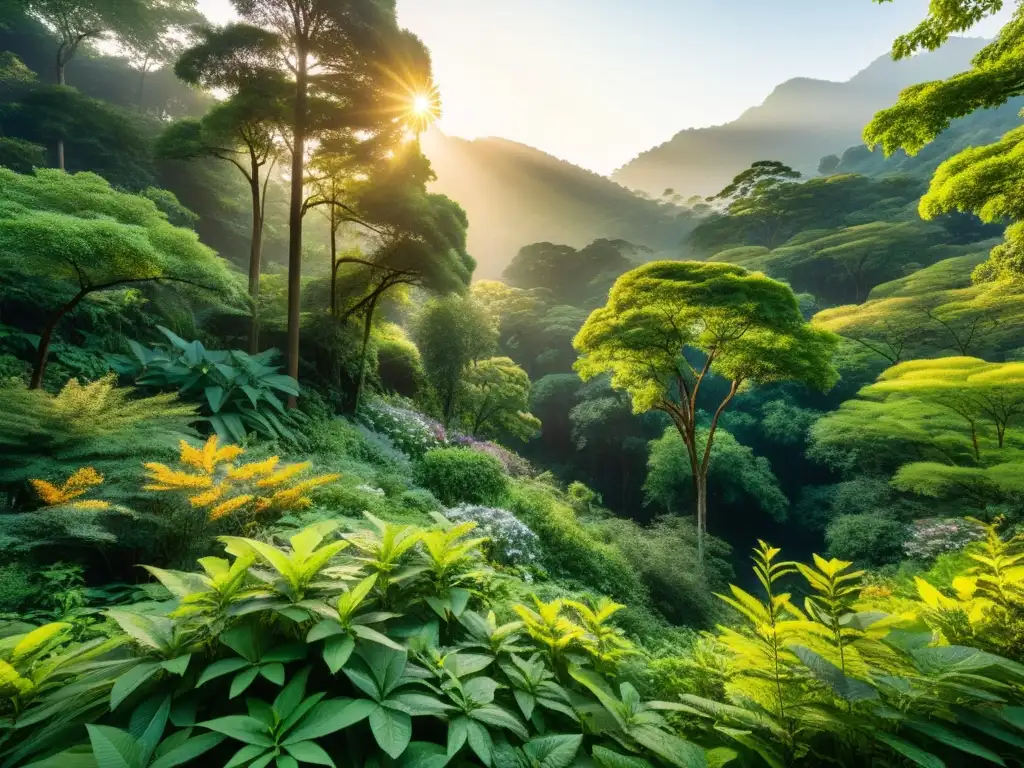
x=668 y=325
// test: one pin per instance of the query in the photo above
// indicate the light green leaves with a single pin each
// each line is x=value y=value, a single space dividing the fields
x=251 y=643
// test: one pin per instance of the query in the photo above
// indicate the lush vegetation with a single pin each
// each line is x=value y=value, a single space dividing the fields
x=280 y=484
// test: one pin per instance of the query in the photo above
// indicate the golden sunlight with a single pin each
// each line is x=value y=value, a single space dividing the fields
x=421 y=104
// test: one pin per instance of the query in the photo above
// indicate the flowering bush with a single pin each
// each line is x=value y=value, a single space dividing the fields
x=512 y=543
x=514 y=464
x=212 y=481
x=410 y=431
x=930 y=538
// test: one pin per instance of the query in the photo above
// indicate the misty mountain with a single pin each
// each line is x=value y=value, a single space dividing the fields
x=800 y=122
x=516 y=195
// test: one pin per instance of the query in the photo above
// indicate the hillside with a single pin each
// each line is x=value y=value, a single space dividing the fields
x=801 y=121
x=515 y=195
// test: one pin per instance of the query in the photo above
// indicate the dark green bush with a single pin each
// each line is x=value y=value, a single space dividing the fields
x=871 y=539
x=462 y=476
x=571 y=552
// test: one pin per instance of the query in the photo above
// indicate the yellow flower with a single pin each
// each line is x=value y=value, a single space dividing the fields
x=91 y=504
x=253 y=469
x=283 y=475
x=207 y=498
x=229 y=506
x=80 y=481
x=192 y=457
x=163 y=478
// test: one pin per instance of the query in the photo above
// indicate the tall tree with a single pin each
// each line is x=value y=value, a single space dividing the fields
x=245 y=129
x=79 y=233
x=670 y=326
x=983 y=180
x=136 y=24
x=452 y=333
x=352 y=69
x=496 y=400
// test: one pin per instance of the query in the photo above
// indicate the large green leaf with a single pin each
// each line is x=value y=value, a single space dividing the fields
x=955 y=740
x=114 y=748
x=845 y=687
x=241 y=728
x=222 y=667
x=670 y=748
x=392 y=730
x=309 y=752
x=555 y=751
x=188 y=750
x=130 y=681
x=910 y=751
x=500 y=717
x=606 y=758
x=330 y=716
x=423 y=754
x=337 y=651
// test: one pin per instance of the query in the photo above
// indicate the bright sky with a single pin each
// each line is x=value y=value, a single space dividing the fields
x=597 y=81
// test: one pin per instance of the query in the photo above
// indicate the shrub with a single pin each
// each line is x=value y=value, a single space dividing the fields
x=570 y=550
x=869 y=539
x=238 y=392
x=513 y=464
x=410 y=431
x=299 y=631
x=930 y=538
x=511 y=542
x=16 y=587
x=838 y=677
x=399 y=366
x=665 y=557
x=462 y=476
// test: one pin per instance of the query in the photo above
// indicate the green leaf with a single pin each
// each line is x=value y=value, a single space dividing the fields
x=291 y=696
x=330 y=716
x=423 y=754
x=481 y=743
x=606 y=758
x=670 y=748
x=417 y=704
x=500 y=718
x=245 y=754
x=337 y=651
x=76 y=757
x=556 y=751
x=391 y=729
x=286 y=761
x=285 y=653
x=954 y=740
x=222 y=667
x=215 y=398
x=273 y=672
x=481 y=689
x=242 y=681
x=241 y=728
x=114 y=748
x=526 y=701
x=910 y=751
x=465 y=664
x=189 y=750
x=326 y=628
x=177 y=665
x=844 y=686
x=309 y=752
x=130 y=681
x=458 y=732
x=375 y=637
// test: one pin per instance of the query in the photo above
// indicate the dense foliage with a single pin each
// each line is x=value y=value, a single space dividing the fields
x=492 y=522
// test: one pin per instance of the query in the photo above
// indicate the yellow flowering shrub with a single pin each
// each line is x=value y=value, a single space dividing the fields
x=76 y=486
x=213 y=480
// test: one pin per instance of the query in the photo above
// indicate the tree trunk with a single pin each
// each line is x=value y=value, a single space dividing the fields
x=142 y=85
x=255 y=251
x=46 y=337
x=361 y=379
x=295 y=215
x=61 y=65
x=334 y=264
x=702 y=513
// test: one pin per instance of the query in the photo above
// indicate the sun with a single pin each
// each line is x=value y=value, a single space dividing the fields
x=421 y=104
x=422 y=108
